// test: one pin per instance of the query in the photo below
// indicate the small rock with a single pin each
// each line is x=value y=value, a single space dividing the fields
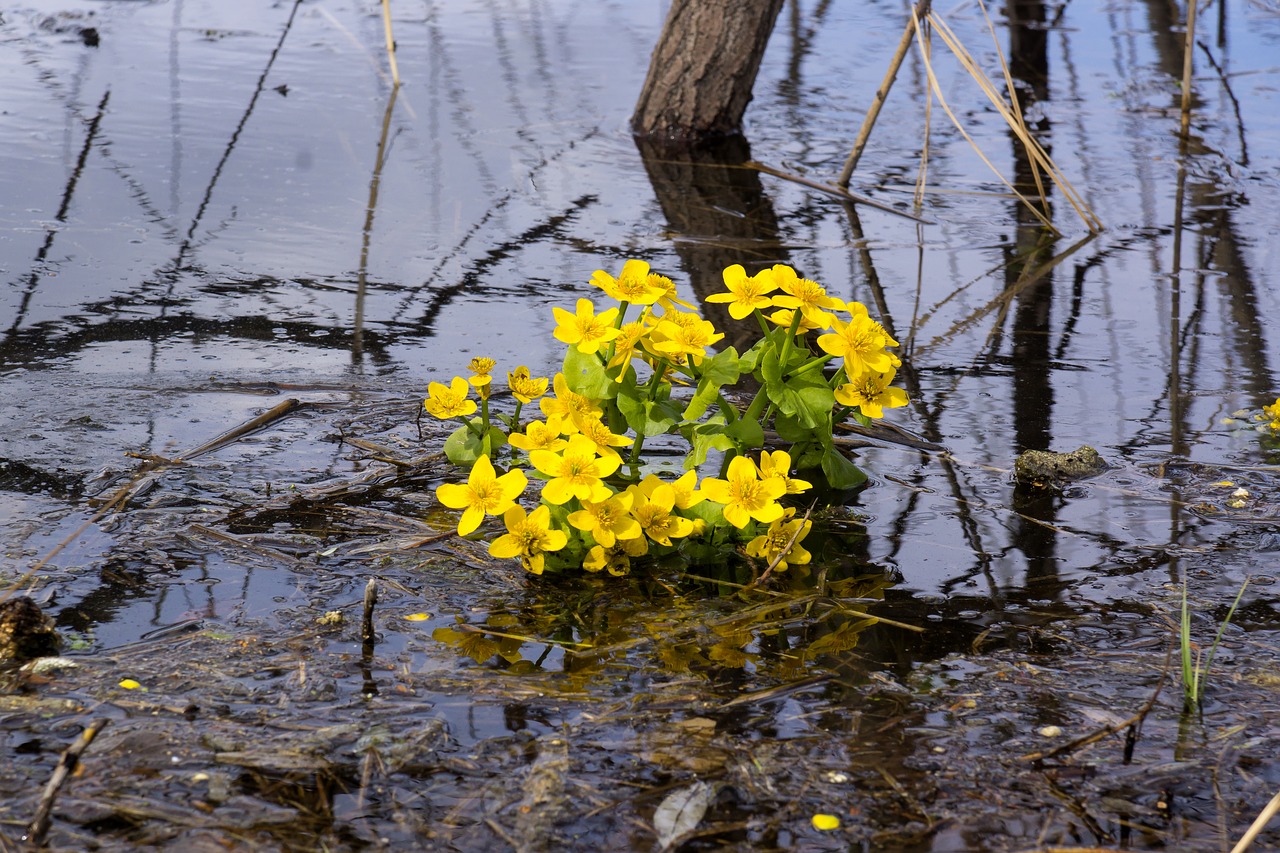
x=1046 y=469
x=25 y=631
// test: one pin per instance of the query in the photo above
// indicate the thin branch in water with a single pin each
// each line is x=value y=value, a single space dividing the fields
x=67 y=764
x=864 y=133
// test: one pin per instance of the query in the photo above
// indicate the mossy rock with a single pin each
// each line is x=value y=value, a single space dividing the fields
x=25 y=631
x=1046 y=469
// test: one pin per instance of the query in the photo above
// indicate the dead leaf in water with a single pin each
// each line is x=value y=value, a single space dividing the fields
x=681 y=812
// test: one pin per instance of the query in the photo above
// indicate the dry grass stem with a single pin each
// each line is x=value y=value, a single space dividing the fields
x=864 y=133
x=391 y=43
x=1036 y=154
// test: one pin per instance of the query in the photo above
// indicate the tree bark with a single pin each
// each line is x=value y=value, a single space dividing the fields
x=703 y=68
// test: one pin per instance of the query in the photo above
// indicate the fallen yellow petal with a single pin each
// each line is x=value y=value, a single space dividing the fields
x=826 y=822
x=417 y=617
x=130 y=684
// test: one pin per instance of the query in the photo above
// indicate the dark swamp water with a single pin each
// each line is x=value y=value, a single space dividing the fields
x=209 y=208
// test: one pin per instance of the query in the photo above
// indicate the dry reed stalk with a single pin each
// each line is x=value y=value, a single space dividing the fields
x=864 y=133
x=1187 y=52
x=1035 y=152
x=391 y=43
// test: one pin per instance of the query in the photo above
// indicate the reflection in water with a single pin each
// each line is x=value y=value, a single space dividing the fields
x=717 y=214
x=366 y=233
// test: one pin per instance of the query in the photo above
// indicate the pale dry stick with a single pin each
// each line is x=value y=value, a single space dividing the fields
x=368 y=635
x=795 y=534
x=1187 y=52
x=39 y=826
x=391 y=43
x=942 y=101
x=368 y=55
x=864 y=133
x=1014 y=104
x=922 y=176
x=1036 y=153
x=1260 y=822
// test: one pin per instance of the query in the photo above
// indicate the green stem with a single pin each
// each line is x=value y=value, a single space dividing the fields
x=764 y=327
x=817 y=362
x=617 y=324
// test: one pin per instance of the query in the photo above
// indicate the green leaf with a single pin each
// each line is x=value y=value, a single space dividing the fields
x=806 y=397
x=585 y=375
x=719 y=370
x=789 y=429
x=702 y=440
x=746 y=432
x=816 y=400
x=646 y=417
x=749 y=361
x=464 y=447
x=840 y=472
x=709 y=511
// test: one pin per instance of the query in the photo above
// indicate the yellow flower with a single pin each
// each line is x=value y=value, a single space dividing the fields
x=630 y=336
x=485 y=493
x=746 y=293
x=480 y=367
x=653 y=511
x=449 y=402
x=773 y=545
x=529 y=537
x=571 y=408
x=607 y=521
x=860 y=342
x=676 y=339
x=778 y=464
x=576 y=472
x=809 y=296
x=616 y=559
x=668 y=300
x=635 y=285
x=604 y=438
x=687 y=493
x=783 y=316
x=744 y=496
x=539 y=436
x=586 y=329
x=871 y=394
x=523 y=387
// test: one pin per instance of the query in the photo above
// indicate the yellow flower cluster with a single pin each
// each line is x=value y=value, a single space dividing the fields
x=601 y=520
x=869 y=366
x=663 y=333
x=620 y=524
x=1273 y=412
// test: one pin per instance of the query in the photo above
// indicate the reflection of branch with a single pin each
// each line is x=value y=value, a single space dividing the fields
x=839 y=192
x=235 y=137
x=34 y=278
x=1029 y=277
x=357 y=331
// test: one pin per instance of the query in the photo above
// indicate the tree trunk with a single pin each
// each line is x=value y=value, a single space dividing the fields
x=703 y=68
